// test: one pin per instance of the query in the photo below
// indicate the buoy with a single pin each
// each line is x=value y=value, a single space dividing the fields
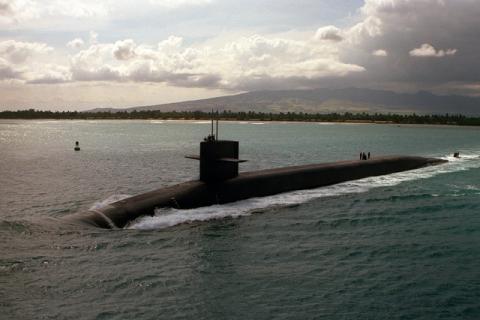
x=77 y=146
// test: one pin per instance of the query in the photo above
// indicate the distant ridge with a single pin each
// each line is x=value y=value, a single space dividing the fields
x=326 y=101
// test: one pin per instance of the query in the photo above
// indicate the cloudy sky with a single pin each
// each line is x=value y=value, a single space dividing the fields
x=79 y=54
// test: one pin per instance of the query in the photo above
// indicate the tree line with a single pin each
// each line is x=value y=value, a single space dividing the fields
x=448 y=119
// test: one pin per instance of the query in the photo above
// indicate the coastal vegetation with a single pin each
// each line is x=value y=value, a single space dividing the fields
x=444 y=119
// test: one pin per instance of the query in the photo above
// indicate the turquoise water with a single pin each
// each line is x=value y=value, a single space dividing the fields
x=403 y=246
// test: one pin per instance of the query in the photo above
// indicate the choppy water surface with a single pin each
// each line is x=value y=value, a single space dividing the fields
x=403 y=246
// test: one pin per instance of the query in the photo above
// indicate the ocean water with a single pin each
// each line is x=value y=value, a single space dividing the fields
x=402 y=246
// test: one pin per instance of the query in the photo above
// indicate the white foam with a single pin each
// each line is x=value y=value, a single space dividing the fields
x=113 y=198
x=168 y=217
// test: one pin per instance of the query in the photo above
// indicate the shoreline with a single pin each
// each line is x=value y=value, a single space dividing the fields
x=250 y=121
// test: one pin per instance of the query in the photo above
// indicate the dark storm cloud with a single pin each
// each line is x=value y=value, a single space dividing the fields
x=429 y=42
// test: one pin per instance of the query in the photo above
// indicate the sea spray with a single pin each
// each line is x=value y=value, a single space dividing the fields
x=113 y=198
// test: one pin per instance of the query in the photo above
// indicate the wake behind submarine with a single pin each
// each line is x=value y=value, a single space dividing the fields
x=220 y=182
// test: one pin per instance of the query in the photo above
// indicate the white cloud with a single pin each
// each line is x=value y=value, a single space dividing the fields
x=75 y=43
x=380 y=53
x=172 y=43
x=18 y=52
x=281 y=59
x=180 y=3
x=93 y=64
x=78 y=14
x=103 y=73
x=72 y=8
x=427 y=50
x=27 y=62
x=21 y=11
x=5 y=8
x=93 y=37
x=330 y=33
x=369 y=28
x=49 y=74
x=124 y=50
x=6 y=70
x=227 y=66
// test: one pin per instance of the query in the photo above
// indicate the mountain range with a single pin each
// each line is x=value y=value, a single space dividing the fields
x=326 y=100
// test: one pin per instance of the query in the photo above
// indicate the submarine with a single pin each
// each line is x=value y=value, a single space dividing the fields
x=220 y=182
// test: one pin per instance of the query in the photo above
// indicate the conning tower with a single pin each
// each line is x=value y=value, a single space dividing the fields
x=218 y=158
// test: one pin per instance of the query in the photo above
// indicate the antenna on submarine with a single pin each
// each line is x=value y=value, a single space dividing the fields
x=216 y=135
x=214 y=117
x=212 y=124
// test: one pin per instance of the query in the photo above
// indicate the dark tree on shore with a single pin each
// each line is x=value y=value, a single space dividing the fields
x=449 y=119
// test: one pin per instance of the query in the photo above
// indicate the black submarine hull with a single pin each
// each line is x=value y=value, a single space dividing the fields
x=194 y=194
